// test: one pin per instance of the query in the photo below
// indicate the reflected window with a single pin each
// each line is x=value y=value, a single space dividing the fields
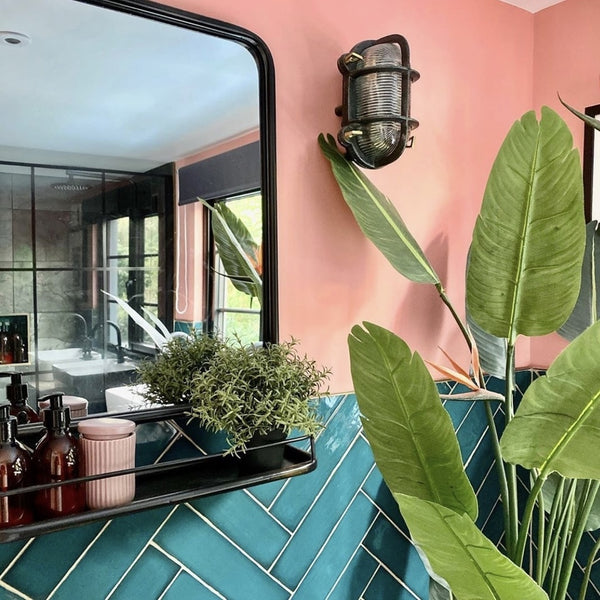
x=237 y=299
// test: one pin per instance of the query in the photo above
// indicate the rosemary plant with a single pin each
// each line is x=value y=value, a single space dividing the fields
x=168 y=377
x=248 y=390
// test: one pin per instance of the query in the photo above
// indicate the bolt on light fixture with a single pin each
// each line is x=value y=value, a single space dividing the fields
x=375 y=111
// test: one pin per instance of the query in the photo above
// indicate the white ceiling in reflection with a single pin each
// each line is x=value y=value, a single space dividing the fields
x=533 y=6
x=99 y=88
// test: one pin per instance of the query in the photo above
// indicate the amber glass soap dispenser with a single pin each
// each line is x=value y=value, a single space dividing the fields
x=16 y=394
x=55 y=459
x=15 y=472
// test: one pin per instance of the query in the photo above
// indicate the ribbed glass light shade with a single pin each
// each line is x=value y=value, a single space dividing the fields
x=376 y=123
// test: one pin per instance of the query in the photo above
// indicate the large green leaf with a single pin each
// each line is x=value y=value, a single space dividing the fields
x=557 y=424
x=378 y=218
x=525 y=261
x=237 y=249
x=587 y=307
x=463 y=556
x=409 y=430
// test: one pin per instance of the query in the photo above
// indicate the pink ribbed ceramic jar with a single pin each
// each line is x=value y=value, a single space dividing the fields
x=107 y=445
x=77 y=405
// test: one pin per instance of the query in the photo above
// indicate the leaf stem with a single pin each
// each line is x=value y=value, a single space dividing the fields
x=586 y=502
x=512 y=525
x=588 y=570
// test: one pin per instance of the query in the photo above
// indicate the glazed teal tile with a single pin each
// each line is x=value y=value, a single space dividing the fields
x=379 y=493
x=214 y=559
x=267 y=492
x=147 y=579
x=242 y=520
x=355 y=578
x=487 y=497
x=328 y=509
x=151 y=440
x=385 y=586
x=211 y=442
x=122 y=540
x=8 y=552
x=480 y=462
x=185 y=587
x=471 y=431
x=8 y=595
x=50 y=557
x=338 y=550
x=396 y=552
x=300 y=492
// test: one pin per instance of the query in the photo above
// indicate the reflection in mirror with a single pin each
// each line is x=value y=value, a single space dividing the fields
x=115 y=124
x=591 y=167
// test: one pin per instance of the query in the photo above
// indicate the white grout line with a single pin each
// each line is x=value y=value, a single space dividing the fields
x=333 y=530
x=170 y=585
x=385 y=568
x=266 y=510
x=79 y=559
x=140 y=553
x=182 y=567
x=316 y=498
x=337 y=408
x=237 y=547
x=17 y=557
x=15 y=591
x=370 y=580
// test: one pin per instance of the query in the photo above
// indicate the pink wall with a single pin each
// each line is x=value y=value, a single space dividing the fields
x=566 y=51
x=476 y=63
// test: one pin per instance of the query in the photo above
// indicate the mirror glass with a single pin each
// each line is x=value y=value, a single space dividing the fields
x=124 y=125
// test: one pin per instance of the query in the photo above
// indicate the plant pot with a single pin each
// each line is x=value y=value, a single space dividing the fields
x=264 y=459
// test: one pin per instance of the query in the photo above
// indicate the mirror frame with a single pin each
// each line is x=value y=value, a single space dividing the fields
x=589 y=136
x=266 y=81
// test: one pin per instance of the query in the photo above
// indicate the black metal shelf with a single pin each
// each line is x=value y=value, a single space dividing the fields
x=170 y=482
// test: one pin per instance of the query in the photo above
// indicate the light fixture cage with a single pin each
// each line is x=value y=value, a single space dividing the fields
x=375 y=111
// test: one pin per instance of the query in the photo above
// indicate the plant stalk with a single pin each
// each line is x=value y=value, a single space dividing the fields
x=512 y=525
x=588 y=570
x=584 y=508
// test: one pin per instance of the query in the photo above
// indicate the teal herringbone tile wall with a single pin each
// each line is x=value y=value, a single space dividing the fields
x=334 y=534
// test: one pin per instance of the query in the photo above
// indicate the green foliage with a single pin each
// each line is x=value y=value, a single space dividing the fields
x=523 y=278
x=417 y=454
x=168 y=377
x=249 y=389
x=471 y=564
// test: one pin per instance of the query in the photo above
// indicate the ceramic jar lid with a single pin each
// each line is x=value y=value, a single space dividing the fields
x=73 y=402
x=106 y=428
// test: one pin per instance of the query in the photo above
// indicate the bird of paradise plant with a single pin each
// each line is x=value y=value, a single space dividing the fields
x=523 y=279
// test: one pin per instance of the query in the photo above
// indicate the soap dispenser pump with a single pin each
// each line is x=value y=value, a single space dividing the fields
x=56 y=458
x=15 y=468
x=16 y=394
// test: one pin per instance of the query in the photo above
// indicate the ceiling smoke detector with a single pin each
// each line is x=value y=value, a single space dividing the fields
x=14 y=39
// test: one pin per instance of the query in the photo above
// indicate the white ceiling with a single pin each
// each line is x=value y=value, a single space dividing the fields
x=99 y=88
x=532 y=6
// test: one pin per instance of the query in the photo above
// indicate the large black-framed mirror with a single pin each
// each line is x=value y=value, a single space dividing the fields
x=92 y=182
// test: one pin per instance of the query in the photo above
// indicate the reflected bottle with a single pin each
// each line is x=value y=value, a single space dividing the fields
x=16 y=345
x=15 y=472
x=16 y=394
x=56 y=458
x=6 y=356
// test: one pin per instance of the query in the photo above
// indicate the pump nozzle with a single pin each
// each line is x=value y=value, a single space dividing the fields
x=56 y=416
x=8 y=424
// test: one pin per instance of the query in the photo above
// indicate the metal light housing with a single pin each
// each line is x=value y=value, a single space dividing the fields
x=375 y=111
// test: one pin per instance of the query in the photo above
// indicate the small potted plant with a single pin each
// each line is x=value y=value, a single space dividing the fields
x=167 y=378
x=257 y=395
